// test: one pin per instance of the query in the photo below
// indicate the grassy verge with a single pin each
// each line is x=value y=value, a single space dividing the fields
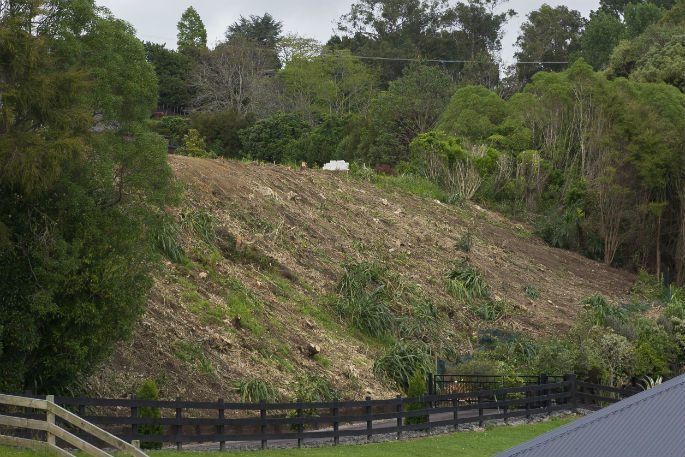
x=464 y=444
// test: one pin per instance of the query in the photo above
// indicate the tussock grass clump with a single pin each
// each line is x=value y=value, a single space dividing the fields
x=363 y=300
x=201 y=223
x=401 y=361
x=465 y=243
x=598 y=309
x=490 y=310
x=532 y=292
x=254 y=389
x=465 y=282
x=167 y=239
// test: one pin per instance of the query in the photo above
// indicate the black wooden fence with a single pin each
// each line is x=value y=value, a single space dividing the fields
x=220 y=422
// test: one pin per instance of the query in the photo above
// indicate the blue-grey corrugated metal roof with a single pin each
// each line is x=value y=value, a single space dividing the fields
x=647 y=424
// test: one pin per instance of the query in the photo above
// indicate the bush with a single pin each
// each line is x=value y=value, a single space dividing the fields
x=254 y=389
x=148 y=391
x=222 y=127
x=363 y=299
x=174 y=127
x=597 y=309
x=269 y=138
x=465 y=282
x=194 y=145
x=417 y=388
x=489 y=310
x=401 y=361
x=465 y=243
x=319 y=146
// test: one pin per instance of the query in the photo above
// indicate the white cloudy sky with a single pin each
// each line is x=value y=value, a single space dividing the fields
x=155 y=20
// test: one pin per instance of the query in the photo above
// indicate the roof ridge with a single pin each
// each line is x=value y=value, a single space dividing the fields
x=603 y=416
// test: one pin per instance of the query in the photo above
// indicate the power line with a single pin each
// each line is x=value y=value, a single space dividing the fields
x=402 y=59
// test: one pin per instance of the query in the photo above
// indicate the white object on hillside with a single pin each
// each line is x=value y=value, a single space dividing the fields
x=337 y=165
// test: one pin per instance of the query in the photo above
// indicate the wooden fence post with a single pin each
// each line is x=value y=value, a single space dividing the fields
x=506 y=408
x=573 y=391
x=299 y=423
x=134 y=415
x=220 y=427
x=50 y=419
x=398 y=410
x=480 y=411
x=336 y=433
x=369 y=421
x=179 y=424
x=262 y=427
x=427 y=405
x=455 y=412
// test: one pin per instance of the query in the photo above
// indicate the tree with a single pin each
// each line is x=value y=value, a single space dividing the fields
x=601 y=35
x=232 y=75
x=77 y=204
x=148 y=391
x=173 y=72
x=549 y=35
x=337 y=84
x=638 y=16
x=191 y=30
x=222 y=127
x=264 y=30
x=269 y=138
x=411 y=106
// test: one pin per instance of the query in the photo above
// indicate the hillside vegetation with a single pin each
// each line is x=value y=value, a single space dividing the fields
x=269 y=244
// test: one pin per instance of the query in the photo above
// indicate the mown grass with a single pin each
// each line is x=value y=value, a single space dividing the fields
x=463 y=444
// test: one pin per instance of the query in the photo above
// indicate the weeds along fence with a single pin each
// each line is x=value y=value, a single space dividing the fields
x=221 y=422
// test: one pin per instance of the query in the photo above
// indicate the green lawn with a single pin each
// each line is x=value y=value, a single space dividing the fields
x=463 y=444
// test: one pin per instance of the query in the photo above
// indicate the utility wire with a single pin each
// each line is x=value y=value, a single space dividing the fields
x=401 y=59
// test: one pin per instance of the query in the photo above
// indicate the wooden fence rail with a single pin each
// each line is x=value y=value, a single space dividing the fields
x=203 y=422
x=54 y=431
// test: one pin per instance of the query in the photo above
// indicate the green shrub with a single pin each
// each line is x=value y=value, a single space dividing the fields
x=148 y=391
x=220 y=129
x=465 y=243
x=597 y=309
x=167 y=238
x=193 y=145
x=465 y=282
x=401 y=361
x=175 y=127
x=363 y=300
x=417 y=388
x=254 y=389
x=675 y=306
x=532 y=292
x=319 y=146
x=314 y=388
x=201 y=223
x=363 y=173
x=269 y=138
x=488 y=310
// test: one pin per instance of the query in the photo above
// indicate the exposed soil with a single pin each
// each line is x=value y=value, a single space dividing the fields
x=284 y=234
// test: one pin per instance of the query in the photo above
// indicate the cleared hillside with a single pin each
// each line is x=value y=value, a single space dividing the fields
x=282 y=238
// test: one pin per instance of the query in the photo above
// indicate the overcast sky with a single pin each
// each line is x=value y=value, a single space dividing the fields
x=155 y=20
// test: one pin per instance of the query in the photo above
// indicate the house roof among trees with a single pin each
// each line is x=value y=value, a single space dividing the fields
x=648 y=423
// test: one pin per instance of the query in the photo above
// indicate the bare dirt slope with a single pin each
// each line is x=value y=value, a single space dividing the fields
x=282 y=238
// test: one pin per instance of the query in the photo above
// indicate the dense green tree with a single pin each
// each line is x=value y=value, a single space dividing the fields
x=656 y=55
x=265 y=30
x=269 y=138
x=473 y=112
x=77 y=203
x=427 y=29
x=411 y=106
x=222 y=127
x=191 y=30
x=548 y=35
x=601 y=35
x=173 y=71
x=638 y=16
x=335 y=84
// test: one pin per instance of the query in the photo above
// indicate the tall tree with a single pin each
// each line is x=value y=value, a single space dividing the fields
x=173 y=72
x=265 y=30
x=191 y=30
x=549 y=35
x=601 y=35
x=78 y=204
x=412 y=105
